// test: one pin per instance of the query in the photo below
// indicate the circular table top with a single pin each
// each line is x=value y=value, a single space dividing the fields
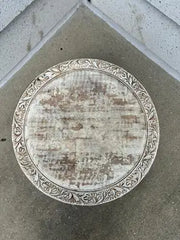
x=85 y=132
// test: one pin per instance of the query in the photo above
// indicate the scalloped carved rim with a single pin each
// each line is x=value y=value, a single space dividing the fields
x=96 y=197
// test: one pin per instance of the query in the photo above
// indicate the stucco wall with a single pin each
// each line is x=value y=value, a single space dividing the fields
x=156 y=31
x=27 y=23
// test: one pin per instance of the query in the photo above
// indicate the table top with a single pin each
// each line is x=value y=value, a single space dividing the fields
x=85 y=132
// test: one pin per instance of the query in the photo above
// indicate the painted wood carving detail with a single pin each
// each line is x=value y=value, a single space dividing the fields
x=85 y=132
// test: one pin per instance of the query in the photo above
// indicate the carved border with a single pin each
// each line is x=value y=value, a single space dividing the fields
x=95 y=197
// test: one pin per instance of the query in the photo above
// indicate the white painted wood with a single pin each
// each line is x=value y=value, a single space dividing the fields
x=85 y=132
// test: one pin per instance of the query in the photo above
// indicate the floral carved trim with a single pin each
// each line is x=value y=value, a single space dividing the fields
x=87 y=197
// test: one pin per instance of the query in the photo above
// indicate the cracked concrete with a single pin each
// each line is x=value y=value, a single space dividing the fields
x=149 y=212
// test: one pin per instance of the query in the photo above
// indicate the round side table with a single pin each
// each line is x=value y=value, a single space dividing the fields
x=85 y=132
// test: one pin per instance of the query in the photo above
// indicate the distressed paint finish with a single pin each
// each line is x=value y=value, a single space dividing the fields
x=85 y=132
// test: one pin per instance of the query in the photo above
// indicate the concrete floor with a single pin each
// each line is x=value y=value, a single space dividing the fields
x=151 y=211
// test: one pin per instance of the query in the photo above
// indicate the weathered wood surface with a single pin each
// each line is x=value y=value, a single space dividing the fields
x=85 y=130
